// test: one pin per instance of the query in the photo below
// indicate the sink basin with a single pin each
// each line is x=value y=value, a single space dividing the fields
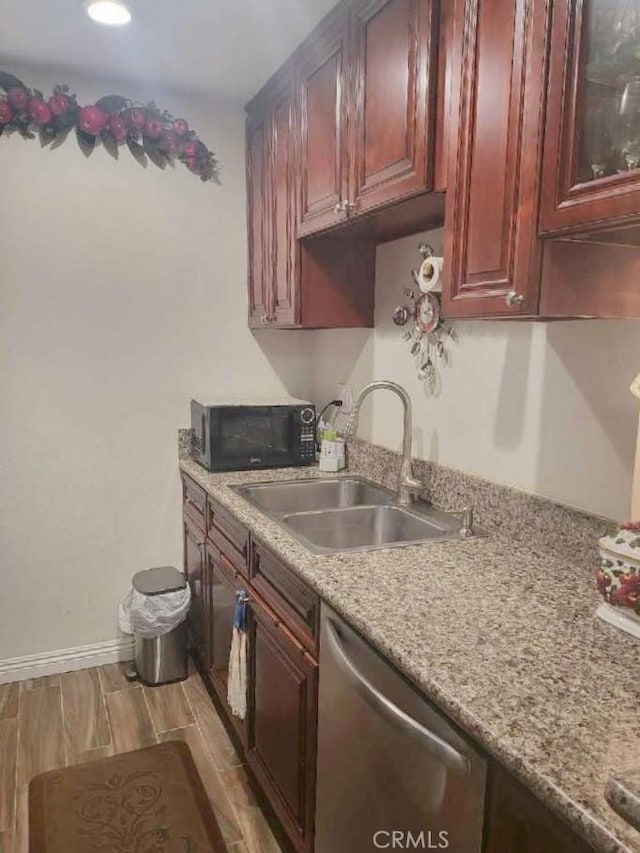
x=309 y=495
x=336 y=514
x=365 y=527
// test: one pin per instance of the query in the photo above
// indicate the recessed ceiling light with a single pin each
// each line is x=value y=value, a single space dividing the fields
x=111 y=12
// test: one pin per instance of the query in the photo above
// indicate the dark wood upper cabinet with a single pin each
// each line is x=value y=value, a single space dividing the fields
x=322 y=75
x=282 y=722
x=257 y=219
x=591 y=179
x=367 y=101
x=498 y=74
x=393 y=70
x=296 y=283
x=271 y=193
x=340 y=155
x=285 y=253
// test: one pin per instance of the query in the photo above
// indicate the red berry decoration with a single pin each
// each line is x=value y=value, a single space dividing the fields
x=92 y=120
x=181 y=127
x=118 y=128
x=150 y=132
x=39 y=111
x=59 y=105
x=190 y=150
x=171 y=143
x=154 y=128
x=6 y=113
x=18 y=97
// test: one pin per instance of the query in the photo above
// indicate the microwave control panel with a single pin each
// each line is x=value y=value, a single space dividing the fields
x=308 y=435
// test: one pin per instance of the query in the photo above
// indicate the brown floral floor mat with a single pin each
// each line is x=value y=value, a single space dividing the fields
x=147 y=801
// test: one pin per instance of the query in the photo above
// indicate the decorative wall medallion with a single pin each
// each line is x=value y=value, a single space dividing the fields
x=148 y=132
x=427 y=335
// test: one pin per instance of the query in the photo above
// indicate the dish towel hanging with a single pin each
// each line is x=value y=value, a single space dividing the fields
x=237 y=681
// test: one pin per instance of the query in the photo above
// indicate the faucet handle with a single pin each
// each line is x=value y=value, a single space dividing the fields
x=466 y=519
x=351 y=426
x=467 y=522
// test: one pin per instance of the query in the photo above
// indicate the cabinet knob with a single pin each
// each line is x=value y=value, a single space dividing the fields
x=346 y=207
x=514 y=299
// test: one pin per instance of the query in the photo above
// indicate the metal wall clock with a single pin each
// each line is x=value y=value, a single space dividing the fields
x=426 y=334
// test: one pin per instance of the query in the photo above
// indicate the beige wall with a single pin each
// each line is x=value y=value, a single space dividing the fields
x=121 y=296
x=541 y=406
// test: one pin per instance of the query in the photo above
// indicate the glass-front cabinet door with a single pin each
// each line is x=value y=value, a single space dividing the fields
x=591 y=172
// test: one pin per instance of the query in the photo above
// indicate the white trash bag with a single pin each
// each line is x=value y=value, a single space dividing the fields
x=153 y=615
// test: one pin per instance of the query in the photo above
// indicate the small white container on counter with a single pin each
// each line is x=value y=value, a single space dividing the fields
x=332 y=452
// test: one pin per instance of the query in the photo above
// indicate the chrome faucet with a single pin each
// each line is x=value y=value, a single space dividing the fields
x=408 y=486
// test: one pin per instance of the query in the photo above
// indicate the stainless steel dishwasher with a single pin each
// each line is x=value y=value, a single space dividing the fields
x=393 y=773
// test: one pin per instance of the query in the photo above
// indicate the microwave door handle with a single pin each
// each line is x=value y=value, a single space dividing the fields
x=438 y=748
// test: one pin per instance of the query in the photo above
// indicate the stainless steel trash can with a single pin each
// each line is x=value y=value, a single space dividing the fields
x=161 y=660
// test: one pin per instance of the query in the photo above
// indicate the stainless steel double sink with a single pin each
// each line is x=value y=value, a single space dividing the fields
x=349 y=513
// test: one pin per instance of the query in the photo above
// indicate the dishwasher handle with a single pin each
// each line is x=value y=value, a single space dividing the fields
x=438 y=748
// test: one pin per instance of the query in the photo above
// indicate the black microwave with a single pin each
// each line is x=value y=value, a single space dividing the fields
x=238 y=437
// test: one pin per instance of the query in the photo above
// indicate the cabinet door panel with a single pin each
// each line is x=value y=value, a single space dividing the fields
x=225 y=582
x=322 y=124
x=257 y=223
x=284 y=257
x=282 y=723
x=391 y=138
x=592 y=143
x=196 y=571
x=493 y=171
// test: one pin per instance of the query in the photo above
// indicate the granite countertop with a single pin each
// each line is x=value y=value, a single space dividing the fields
x=502 y=636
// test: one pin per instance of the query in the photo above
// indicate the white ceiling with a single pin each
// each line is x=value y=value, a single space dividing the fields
x=212 y=47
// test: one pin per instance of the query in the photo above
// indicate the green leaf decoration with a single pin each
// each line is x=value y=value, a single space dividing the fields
x=138 y=151
x=68 y=121
x=47 y=136
x=112 y=103
x=156 y=156
x=60 y=137
x=86 y=142
x=110 y=145
x=8 y=81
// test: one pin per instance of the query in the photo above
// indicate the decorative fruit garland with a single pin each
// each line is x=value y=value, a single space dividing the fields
x=147 y=131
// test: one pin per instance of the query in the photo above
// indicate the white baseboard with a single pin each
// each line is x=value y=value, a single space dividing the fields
x=66 y=660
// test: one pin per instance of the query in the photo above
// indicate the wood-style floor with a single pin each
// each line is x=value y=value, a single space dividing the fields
x=67 y=719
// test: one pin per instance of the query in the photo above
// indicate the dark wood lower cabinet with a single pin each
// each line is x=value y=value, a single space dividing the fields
x=196 y=570
x=517 y=822
x=282 y=722
x=279 y=734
